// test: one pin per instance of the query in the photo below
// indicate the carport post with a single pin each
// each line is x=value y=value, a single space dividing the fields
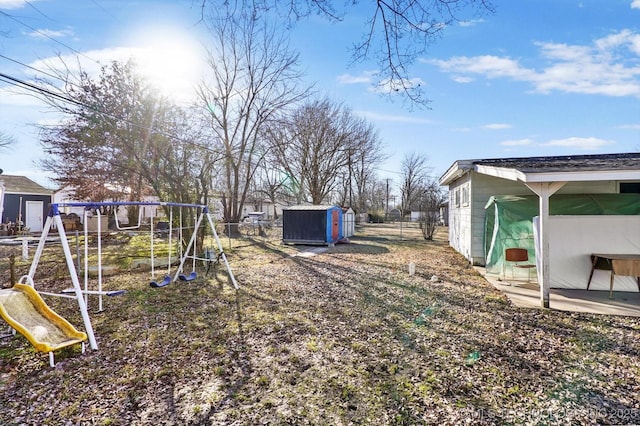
x=544 y=190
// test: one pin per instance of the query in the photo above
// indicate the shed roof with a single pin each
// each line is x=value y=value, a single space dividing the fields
x=311 y=207
x=22 y=185
x=623 y=166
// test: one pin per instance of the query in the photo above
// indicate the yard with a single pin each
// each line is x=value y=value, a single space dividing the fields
x=345 y=336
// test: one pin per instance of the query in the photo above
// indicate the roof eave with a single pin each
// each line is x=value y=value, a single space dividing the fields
x=577 y=176
x=457 y=169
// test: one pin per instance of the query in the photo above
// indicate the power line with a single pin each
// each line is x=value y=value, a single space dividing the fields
x=37 y=10
x=37 y=89
x=32 y=87
x=33 y=68
x=13 y=18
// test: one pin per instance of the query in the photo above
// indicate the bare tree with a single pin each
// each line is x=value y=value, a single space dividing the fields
x=415 y=174
x=431 y=199
x=272 y=182
x=366 y=154
x=6 y=140
x=317 y=146
x=362 y=166
x=397 y=31
x=253 y=76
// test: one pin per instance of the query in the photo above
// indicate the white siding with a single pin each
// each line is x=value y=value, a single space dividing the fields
x=460 y=217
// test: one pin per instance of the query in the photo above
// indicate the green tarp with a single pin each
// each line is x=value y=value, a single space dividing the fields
x=509 y=219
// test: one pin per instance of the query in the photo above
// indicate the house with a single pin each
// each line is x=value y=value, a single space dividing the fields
x=472 y=183
x=66 y=195
x=24 y=202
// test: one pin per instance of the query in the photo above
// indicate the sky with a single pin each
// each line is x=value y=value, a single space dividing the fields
x=535 y=78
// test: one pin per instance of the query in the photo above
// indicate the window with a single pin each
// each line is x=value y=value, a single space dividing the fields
x=465 y=195
x=630 y=187
x=456 y=196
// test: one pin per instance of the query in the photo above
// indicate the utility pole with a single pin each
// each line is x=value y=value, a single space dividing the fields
x=386 y=213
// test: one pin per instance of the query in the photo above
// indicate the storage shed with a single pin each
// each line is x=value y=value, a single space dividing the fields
x=348 y=222
x=312 y=225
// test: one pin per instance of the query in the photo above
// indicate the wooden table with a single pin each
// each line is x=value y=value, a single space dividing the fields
x=618 y=264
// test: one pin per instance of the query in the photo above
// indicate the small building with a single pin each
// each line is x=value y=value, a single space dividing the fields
x=66 y=194
x=444 y=213
x=23 y=202
x=312 y=225
x=394 y=215
x=559 y=242
x=348 y=222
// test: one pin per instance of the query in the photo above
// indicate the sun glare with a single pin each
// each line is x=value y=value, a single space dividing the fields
x=171 y=61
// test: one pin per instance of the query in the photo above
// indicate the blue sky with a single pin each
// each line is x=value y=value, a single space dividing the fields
x=537 y=77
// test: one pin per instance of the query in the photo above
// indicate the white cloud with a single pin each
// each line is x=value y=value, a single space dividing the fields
x=45 y=33
x=609 y=66
x=517 y=142
x=18 y=97
x=471 y=22
x=635 y=4
x=170 y=68
x=391 y=86
x=630 y=126
x=585 y=144
x=487 y=65
x=373 y=116
x=12 y=4
x=366 y=77
x=90 y=61
x=463 y=79
x=496 y=126
x=380 y=86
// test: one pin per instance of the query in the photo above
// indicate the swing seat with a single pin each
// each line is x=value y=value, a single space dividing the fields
x=192 y=276
x=164 y=282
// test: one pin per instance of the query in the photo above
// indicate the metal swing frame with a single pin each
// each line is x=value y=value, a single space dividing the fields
x=54 y=218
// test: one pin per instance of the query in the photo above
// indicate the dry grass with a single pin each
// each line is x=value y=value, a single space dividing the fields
x=343 y=337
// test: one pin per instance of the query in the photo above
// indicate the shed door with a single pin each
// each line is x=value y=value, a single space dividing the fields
x=335 y=225
x=33 y=217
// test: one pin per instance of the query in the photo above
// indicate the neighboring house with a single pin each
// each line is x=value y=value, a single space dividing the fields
x=24 y=202
x=444 y=213
x=65 y=195
x=264 y=205
x=473 y=182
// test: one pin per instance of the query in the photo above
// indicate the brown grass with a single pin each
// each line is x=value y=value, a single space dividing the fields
x=343 y=337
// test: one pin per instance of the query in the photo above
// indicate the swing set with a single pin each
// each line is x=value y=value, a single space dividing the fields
x=34 y=312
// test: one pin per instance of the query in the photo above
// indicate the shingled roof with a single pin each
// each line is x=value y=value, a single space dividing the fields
x=597 y=163
x=570 y=163
x=22 y=185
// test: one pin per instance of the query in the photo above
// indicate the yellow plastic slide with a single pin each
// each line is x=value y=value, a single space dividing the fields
x=25 y=311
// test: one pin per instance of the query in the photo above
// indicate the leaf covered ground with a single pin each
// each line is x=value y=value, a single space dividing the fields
x=345 y=336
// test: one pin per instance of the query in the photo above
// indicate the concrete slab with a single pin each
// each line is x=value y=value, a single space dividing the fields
x=527 y=294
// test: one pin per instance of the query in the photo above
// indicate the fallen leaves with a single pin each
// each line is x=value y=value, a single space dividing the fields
x=346 y=336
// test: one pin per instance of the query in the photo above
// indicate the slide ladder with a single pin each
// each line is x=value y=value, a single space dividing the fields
x=27 y=313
